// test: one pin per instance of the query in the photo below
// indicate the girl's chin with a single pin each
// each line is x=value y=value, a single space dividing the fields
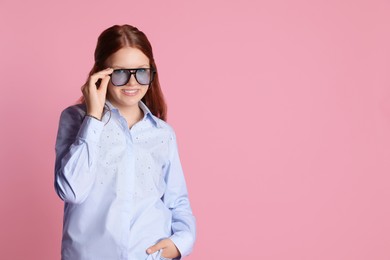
x=125 y=103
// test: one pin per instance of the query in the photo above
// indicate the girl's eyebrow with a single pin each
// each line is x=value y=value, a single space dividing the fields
x=133 y=67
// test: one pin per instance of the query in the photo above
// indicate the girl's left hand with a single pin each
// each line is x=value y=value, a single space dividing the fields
x=169 y=249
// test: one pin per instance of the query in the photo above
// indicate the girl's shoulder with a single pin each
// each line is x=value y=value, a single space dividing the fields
x=166 y=127
x=75 y=112
x=76 y=108
x=162 y=124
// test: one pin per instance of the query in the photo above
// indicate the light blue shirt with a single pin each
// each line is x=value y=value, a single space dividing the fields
x=124 y=189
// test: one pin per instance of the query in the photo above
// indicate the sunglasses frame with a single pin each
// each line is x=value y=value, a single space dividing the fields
x=134 y=72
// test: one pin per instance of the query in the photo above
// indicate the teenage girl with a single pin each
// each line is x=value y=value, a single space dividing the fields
x=117 y=163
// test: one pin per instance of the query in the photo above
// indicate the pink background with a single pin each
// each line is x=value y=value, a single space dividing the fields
x=282 y=111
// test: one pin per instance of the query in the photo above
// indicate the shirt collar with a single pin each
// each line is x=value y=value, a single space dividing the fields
x=144 y=108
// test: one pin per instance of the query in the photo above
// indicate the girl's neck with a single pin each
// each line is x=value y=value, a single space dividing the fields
x=132 y=114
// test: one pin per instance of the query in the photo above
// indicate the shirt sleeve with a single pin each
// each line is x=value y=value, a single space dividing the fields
x=76 y=145
x=176 y=199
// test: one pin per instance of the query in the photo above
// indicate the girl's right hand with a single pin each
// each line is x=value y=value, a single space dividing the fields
x=96 y=97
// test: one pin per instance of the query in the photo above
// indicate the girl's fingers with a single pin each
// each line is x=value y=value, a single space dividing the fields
x=104 y=84
x=103 y=73
x=99 y=75
x=160 y=245
x=95 y=97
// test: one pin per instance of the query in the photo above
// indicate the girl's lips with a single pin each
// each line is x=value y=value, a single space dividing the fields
x=130 y=92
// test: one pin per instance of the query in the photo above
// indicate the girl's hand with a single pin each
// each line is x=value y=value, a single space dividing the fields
x=96 y=97
x=169 y=249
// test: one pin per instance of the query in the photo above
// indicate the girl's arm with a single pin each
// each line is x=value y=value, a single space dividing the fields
x=176 y=199
x=76 y=146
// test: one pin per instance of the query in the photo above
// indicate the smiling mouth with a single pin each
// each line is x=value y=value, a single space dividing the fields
x=130 y=91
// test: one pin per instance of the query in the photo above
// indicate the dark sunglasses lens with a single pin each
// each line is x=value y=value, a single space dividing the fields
x=120 y=77
x=143 y=76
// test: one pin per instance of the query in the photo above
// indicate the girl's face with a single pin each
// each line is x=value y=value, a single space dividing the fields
x=130 y=94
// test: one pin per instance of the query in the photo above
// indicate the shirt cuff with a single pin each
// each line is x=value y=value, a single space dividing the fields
x=90 y=129
x=184 y=243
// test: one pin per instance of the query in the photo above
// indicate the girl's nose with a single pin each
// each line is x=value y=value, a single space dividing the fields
x=132 y=81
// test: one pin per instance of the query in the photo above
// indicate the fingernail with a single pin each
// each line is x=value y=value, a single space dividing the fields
x=149 y=251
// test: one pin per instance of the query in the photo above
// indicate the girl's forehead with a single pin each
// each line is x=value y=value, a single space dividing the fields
x=128 y=57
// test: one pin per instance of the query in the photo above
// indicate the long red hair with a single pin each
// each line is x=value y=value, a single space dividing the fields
x=119 y=36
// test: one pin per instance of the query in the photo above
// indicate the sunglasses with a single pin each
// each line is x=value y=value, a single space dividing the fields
x=144 y=76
